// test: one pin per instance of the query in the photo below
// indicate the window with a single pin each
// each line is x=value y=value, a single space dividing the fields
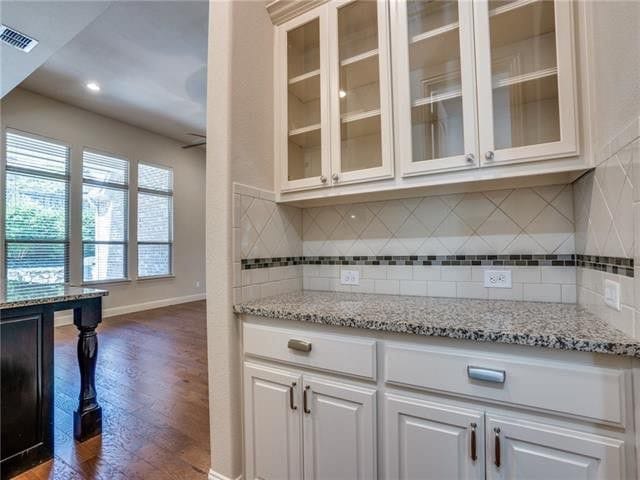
x=155 y=220
x=105 y=208
x=36 y=239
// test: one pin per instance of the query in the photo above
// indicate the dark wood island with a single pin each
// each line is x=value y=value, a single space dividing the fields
x=26 y=374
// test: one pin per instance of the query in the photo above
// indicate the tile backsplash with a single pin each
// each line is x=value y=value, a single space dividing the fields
x=526 y=220
x=607 y=217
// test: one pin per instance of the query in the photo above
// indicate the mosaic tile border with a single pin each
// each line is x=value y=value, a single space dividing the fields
x=615 y=265
x=446 y=260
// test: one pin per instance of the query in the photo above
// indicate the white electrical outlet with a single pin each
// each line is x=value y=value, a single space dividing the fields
x=612 y=294
x=497 y=278
x=350 y=277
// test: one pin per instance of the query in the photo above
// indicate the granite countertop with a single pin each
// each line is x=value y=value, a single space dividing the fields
x=20 y=294
x=550 y=325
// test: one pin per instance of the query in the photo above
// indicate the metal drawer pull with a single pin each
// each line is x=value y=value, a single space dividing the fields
x=486 y=374
x=497 y=447
x=293 y=407
x=474 y=452
x=299 y=345
x=304 y=400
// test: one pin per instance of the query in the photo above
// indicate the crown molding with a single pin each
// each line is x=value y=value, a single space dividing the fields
x=282 y=10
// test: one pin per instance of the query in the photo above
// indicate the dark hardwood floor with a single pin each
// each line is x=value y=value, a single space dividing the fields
x=152 y=385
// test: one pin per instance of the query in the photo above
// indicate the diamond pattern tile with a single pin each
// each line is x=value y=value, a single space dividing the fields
x=473 y=223
x=604 y=223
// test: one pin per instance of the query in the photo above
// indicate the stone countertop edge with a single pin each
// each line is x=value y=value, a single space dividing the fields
x=548 y=325
x=63 y=297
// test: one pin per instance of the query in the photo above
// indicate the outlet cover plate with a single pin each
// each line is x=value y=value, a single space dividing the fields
x=612 y=294
x=497 y=278
x=350 y=277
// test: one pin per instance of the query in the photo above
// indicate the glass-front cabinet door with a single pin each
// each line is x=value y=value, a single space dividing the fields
x=302 y=80
x=360 y=91
x=526 y=80
x=434 y=85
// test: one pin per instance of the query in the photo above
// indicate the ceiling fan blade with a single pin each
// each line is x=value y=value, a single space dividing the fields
x=197 y=135
x=194 y=145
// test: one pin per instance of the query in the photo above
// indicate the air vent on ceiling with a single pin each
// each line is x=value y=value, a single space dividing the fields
x=16 y=39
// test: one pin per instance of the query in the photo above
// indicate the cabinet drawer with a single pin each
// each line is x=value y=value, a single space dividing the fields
x=586 y=391
x=333 y=353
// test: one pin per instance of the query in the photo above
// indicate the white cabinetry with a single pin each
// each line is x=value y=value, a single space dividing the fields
x=273 y=426
x=333 y=90
x=520 y=74
x=297 y=423
x=432 y=441
x=339 y=430
x=447 y=413
x=538 y=451
x=447 y=91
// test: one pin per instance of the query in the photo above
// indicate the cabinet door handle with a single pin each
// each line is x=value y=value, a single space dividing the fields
x=470 y=157
x=474 y=452
x=300 y=345
x=323 y=179
x=497 y=447
x=293 y=385
x=305 y=401
x=489 y=155
x=335 y=177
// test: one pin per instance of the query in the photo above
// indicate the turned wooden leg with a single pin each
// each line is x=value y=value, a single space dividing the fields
x=87 y=419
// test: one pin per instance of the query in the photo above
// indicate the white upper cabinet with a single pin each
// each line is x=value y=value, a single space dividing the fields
x=434 y=80
x=526 y=80
x=511 y=58
x=302 y=77
x=360 y=91
x=333 y=76
x=413 y=93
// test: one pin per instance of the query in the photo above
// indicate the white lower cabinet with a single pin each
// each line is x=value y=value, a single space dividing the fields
x=536 y=451
x=426 y=440
x=297 y=423
x=339 y=431
x=446 y=413
x=432 y=441
x=272 y=423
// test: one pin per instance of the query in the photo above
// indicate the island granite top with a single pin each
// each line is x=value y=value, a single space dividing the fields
x=21 y=294
x=550 y=325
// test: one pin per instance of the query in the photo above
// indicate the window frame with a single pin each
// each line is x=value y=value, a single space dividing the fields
x=161 y=193
x=5 y=169
x=127 y=216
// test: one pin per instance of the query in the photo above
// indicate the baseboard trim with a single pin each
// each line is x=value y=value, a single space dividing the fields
x=67 y=318
x=218 y=476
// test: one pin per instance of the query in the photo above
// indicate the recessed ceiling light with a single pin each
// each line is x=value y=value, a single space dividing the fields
x=93 y=86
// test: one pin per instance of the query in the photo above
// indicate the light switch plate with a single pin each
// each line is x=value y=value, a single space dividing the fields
x=497 y=278
x=350 y=277
x=612 y=294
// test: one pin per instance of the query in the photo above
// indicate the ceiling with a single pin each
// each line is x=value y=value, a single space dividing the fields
x=53 y=23
x=150 y=60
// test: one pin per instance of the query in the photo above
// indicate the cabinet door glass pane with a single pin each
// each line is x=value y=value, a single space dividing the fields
x=359 y=86
x=303 y=76
x=435 y=79
x=524 y=73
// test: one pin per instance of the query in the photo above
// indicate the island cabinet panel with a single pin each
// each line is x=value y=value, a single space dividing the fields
x=26 y=403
